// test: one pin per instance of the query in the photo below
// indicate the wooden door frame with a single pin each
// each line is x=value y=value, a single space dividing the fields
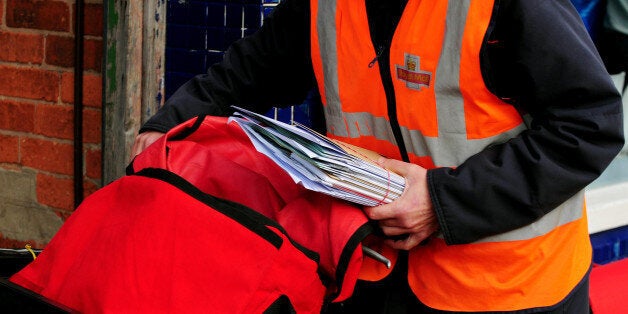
x=133 y=79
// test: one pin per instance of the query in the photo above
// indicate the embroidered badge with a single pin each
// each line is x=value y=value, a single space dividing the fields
x=411 y=73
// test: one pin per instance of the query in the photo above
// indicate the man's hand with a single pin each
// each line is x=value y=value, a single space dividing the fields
x=411 y=213
x=144 y=140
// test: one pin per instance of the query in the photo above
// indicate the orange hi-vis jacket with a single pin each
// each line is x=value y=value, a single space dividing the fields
x=445 y=114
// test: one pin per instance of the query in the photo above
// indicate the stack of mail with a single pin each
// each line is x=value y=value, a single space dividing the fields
x=320 y=164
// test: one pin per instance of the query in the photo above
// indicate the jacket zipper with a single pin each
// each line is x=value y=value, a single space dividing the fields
x=378 y=54
x=382 y=56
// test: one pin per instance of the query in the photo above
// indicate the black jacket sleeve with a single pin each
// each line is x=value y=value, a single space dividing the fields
x=543 y=59
x=271 y=67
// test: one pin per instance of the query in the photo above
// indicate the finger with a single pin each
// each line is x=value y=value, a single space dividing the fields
x=139 y=145
x=381 y=212
x=394 y=231
x=406 y=244
x=142 y=141
x=408 y=223
x=137 y=149
x=389 y=222
x=397 y=166
x=413 y=174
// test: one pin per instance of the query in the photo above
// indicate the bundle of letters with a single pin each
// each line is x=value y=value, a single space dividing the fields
x=320 y=163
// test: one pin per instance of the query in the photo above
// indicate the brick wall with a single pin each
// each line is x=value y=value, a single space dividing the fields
x=36 y=115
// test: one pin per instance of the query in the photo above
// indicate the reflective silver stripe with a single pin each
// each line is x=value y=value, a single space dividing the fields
x=326 y=28
x=449 y=149
x=449 y=101
x=452 y=149
x=567 y=212
x=365 y=124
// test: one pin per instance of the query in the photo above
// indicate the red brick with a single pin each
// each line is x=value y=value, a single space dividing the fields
x=47 y=155
x=60 y=50
x=63 y=214
x=18 y=244
x=29 y=83
x=94 y=19
x=17 y=116
x=37 y=14
x=55 y=121
x=9 y=149
x=54 y=191
x=92 y=126
x=89 y=187
x=11 y=167
x=92 y=89
x=93 y=164
x=1 y=12
x=24 y=48
x=67 y=87
x=93 y=55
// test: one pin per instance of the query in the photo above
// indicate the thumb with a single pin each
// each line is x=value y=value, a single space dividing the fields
x=397 y=166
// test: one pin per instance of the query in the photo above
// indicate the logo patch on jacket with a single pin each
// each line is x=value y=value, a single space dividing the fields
x=411 y=73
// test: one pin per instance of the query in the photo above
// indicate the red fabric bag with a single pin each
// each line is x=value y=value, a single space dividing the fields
x=202 y=223
x=608 y=288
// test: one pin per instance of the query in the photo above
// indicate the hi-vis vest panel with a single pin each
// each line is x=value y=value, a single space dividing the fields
x=446 y=114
